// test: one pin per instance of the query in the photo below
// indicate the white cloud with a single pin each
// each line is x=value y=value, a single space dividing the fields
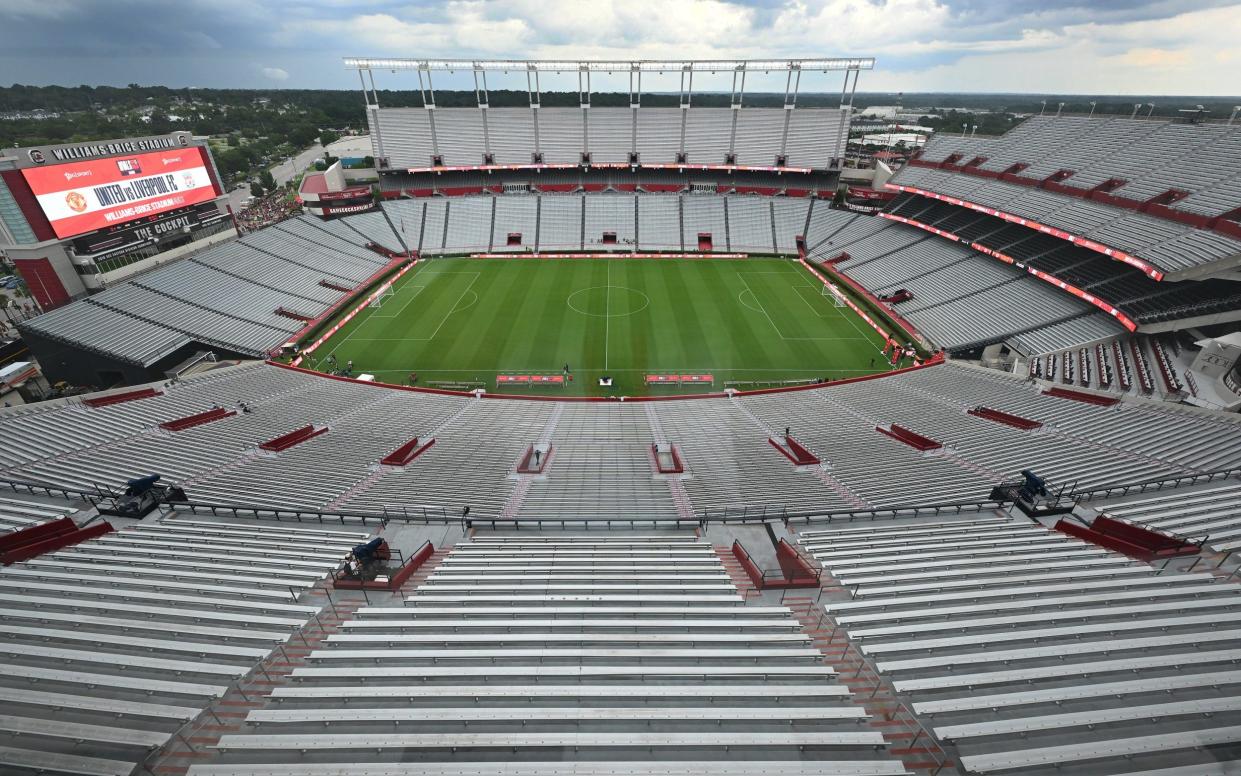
x=919 y=44
x=276 y=73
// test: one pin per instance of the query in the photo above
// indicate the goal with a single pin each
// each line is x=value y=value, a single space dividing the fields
x=385 y=293
x=836 y=297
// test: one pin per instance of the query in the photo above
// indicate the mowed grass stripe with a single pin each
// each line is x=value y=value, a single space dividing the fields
x=522 y=322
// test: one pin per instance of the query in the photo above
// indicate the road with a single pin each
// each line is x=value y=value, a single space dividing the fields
x=283 y=173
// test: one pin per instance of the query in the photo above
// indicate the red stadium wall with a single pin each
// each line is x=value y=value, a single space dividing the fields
x=44 y=284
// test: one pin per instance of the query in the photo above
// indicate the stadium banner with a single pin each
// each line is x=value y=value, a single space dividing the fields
x=83 y=197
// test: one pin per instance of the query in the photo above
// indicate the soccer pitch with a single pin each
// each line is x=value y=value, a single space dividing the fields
x=750 y=321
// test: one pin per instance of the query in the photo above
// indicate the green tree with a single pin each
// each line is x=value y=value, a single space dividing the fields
x=256 y=190
x=267 y=181
x=328 y=136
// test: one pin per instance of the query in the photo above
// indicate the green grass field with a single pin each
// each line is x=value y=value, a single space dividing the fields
x=759 y=320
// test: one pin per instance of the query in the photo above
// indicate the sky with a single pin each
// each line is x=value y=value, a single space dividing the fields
x=1034 y=46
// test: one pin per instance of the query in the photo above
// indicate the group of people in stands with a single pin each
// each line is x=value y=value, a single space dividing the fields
x=271 y=209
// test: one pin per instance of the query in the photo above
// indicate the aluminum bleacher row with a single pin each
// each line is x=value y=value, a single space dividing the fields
x=420 y=138
x=1034 y=652
x=576 y=222
x=19 y=513
x=1191 y=170
x=112 y=646
x=561 y=654
x=1143 y=299
x=598 y=449
x=1208 y=514
x=961 y=297
x=226 y=296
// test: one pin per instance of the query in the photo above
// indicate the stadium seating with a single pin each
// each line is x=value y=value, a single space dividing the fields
x=1103 y=170
x=1027 y=649
x=602 y=446
x=224 y=296
x=412 y=138
x=112 y=646
x=628 y=652
x=1208 y=514
x=19 y=513
x=1117 y=285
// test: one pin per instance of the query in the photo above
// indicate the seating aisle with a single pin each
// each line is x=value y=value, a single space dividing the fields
x=560 y=654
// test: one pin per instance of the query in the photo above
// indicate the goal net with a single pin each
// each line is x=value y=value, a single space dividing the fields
x=836 y=297
x=385 y=293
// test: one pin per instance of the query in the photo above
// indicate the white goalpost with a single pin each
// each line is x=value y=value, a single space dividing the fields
x=385 y=293
x=835 y=295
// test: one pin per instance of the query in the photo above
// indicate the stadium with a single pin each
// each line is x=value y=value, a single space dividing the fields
x=603 y=439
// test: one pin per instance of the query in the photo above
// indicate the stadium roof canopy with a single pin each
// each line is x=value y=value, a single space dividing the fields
x=597 y=66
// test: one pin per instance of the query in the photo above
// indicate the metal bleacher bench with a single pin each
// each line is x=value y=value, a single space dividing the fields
x=77 y=731
x=159 y=645
x=436 y=655
x=1123 y=747
x=356 y=741
x=56 y=762
x=154 y=611
x=1106 y=646
x=158 y=584
x=1053 y=615
x=42 y=615
x=1205 y=707
x=557 y=714
x=521 y=691
x=569 y=638
x=141 y=595
x=554 y=611
x=1056 y=695
x=128 y=682
x=558 y=768
x=61 y=562
x=123 y=708
x=536 y=672
x=130 y=661
x=1068 y=669
x=1010 y=592
x=1038 y=634
x=452 y=625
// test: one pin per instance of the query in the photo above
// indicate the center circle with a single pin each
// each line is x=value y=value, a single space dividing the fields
x=608 y=301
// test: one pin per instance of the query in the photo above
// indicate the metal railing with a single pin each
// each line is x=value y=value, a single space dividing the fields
x=1112 y=491
x=744 y=514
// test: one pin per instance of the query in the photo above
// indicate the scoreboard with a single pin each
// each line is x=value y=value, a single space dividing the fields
x=81 y=197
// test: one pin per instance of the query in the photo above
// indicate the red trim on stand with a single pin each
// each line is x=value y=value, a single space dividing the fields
x=1016 y=421
x=678 y=467
x=202 y=418
x=26 y=546
x=121 y=398
x=911 y=438
x=406 y=453
x=1081 y=396
x=292 y=439
x=1131 y=540
x=795 y=452
x=1113 y=253
x=1086 y=296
